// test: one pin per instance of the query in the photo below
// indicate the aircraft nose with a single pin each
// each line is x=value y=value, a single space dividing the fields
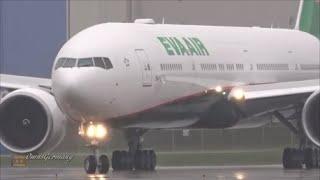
x=64 y=86
x=73 y=93
x=80 y=94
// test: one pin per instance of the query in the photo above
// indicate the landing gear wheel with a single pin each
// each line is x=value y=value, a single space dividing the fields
x=130 y=160
x=103 y=167
x=292 y=158
x=309 y=158
x=297 y=158
x=138 y=160
x=147 y=162
x=153 y=161
x=312 y=158
x=90 y=164
x=116 y=160
x=123 y=160
x=286 y=158
x=318 y=158
x=135 y=158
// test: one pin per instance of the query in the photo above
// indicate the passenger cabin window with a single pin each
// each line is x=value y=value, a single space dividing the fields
x=69 y=62
x=98 y=62
x=85 y=62
x=107 y=62
x=60 y=63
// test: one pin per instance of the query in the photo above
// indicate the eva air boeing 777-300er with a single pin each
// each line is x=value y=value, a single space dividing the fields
x=141 y=76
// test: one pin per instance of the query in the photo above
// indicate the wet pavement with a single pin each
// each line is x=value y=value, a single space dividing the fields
x=259 y=172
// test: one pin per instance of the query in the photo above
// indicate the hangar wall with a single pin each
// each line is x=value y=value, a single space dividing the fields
x=280 y=13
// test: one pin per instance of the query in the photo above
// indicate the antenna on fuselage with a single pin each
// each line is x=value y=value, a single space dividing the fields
x=163 y=19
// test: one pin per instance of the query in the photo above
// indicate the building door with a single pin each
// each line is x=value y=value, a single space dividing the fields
x=145 y=67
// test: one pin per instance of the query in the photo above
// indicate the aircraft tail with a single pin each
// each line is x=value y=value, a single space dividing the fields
x=308 y=17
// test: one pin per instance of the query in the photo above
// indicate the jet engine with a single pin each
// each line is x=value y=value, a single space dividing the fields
x=30 y=121
x=311 y=118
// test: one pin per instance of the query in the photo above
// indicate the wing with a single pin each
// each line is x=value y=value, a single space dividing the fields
x=18 y=82
x=264 y=91
x=209 y=109
x=261 y=101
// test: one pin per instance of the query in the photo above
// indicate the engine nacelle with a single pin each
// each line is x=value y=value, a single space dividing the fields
x=311 y=118
x=30 y=121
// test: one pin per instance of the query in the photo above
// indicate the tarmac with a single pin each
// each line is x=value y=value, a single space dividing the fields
x=254 y=172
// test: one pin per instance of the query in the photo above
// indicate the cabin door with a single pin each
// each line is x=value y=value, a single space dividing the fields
x=145 y=67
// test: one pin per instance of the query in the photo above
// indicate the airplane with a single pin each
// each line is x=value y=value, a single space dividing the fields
x=141 y=76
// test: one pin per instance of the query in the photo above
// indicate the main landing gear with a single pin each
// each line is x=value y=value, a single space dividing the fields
x=295 y=158
x=305 y=155
x=135 y=158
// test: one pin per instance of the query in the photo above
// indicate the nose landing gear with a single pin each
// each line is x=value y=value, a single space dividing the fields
x=95 y=162
x=94 y=133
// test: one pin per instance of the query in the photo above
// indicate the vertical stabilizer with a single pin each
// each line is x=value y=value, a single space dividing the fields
x=308 y=17
x=298 y=19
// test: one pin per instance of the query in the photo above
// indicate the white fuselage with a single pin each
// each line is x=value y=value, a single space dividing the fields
x=153 y=64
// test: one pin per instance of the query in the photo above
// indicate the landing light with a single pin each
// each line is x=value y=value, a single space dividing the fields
x=218 y=89
x=238 y=94
x=96 y=131
x=101 y=131
x=91 y=131
x=239 y=176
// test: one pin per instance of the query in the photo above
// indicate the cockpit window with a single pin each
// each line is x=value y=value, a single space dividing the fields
x=107 y=62
x=101 y=62
x=60 y=63
x=69 y=62
x=98 y=62
x=85 y=62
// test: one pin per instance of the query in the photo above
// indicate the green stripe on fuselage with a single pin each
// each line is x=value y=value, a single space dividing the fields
x=185 y=46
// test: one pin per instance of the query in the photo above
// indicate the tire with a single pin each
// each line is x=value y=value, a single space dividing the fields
x=122 y=160
x=297 y=158
x=126 y=160
x=308 y=158
x=153 y=160
x=103 y=167
x=316 y=158
x=115 y=160
x=287 y=158
x=147 y=163
x=137 y=160
x=90 y=164
x=144 y=160
x=130 y=161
